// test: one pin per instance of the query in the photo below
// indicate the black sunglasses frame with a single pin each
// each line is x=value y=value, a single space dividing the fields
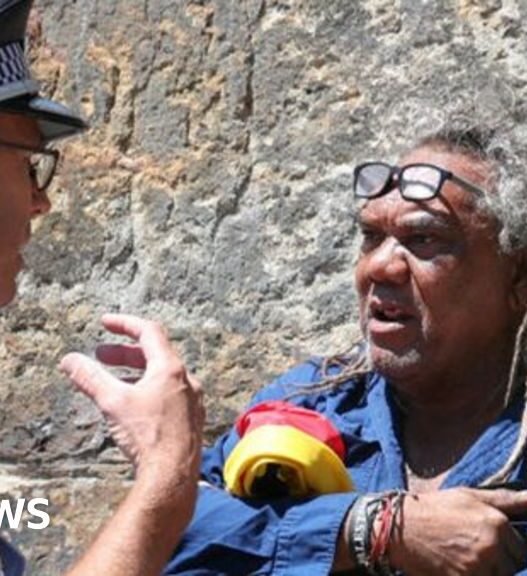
x=394 y=176
x=55 y=154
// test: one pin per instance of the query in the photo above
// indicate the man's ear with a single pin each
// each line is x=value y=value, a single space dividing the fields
x=519 y=281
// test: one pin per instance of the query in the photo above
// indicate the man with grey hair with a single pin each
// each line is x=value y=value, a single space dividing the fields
x=158 y=421
x=430 y=404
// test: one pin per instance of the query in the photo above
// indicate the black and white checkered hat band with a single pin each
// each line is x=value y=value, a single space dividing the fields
x=13 y=67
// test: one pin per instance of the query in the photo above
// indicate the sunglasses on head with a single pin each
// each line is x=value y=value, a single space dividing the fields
x=414 y=181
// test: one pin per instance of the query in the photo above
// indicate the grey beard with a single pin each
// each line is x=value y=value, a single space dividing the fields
x=391 y=364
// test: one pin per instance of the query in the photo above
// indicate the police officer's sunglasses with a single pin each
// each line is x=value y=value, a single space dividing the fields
x=42 y=163
x=414 y=181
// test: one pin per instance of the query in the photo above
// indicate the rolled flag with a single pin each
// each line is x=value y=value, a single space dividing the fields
x=286 y=450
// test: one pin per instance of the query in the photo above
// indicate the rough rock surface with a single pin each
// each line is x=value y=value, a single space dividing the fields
x=212 y=193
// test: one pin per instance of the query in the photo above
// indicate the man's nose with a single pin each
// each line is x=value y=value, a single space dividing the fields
x=40 y=202
x=387 y=263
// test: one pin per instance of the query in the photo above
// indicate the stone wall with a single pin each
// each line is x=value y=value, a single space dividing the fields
x=212 y=193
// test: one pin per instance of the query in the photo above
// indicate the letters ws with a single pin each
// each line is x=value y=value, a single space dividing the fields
x=14 y=517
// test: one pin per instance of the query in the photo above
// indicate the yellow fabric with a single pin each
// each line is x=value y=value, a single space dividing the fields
x=307 y=465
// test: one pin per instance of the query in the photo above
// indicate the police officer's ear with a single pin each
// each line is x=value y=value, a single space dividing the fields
x=519 y=281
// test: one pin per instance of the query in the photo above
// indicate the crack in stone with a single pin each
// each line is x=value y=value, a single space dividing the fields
x=232 y=205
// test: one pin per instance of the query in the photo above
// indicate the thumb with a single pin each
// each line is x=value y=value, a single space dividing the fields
x=507 y=501
x=89 y=376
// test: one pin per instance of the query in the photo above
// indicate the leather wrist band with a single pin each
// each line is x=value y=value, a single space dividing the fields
x=359 y=528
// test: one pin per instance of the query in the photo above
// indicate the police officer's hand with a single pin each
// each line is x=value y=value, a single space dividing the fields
x=157 y=421
x=458 y=532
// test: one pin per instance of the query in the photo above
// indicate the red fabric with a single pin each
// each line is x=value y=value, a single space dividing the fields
x=381 y=540
x=279 y=413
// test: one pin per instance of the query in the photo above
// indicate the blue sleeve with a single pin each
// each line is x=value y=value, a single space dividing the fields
x=233 y=536
x=11 y=561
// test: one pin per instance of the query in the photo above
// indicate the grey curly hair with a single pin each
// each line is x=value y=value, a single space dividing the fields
x=507 y=187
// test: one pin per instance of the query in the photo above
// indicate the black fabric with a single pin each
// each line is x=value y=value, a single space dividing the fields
x=13 y=19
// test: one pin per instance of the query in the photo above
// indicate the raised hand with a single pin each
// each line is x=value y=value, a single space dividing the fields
x=157 y=422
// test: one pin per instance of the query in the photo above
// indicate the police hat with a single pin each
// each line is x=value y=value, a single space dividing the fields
x=18 y=90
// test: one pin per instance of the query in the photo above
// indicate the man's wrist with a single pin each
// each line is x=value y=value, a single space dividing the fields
x=369 y=530
x=168 y=487
x=397 y=550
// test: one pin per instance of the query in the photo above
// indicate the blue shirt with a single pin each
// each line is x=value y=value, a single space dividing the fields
x=11 y=561
x=295 y=537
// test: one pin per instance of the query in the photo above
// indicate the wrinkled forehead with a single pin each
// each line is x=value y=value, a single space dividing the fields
x=19 y=129
x=393 y=209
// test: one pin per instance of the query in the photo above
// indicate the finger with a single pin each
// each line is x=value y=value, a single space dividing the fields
x=195 y=384
x=129 y=355
x=507 y=501
x=150 y=335
x=197 y=389
x=89 y=376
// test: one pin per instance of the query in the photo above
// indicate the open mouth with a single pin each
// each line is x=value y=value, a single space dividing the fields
x=390 y=316
x=389 y=313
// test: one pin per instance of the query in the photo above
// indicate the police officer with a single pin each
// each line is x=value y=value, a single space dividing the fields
x=28 y=123
x=157 y=422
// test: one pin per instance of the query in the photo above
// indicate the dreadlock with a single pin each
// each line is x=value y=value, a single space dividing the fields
x=352 y=363
x=502 y=475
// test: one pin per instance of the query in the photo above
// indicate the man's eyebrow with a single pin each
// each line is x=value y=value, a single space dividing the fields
x=436 y=220
x=421 y=220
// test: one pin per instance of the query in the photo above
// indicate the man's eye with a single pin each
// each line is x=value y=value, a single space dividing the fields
x=425 y=245
x=422 y=239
